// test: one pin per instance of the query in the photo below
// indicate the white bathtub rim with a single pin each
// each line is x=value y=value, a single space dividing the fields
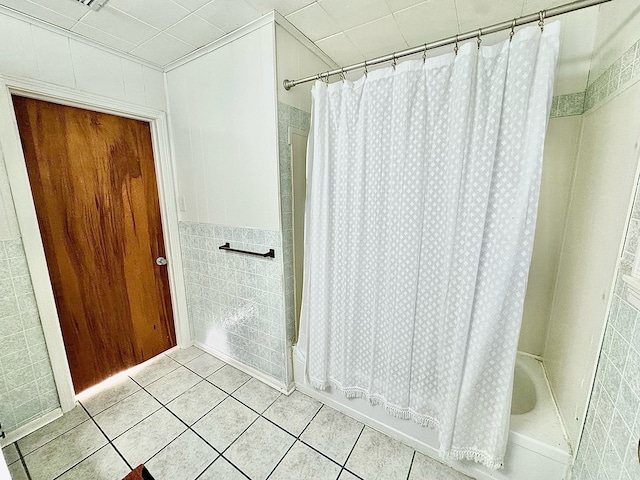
x=553 y=453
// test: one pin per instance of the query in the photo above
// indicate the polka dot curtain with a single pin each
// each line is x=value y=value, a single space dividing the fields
x=422 y=194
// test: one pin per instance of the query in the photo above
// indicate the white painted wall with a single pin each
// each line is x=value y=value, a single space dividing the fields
x=295 y=61
x=600 y=200
x=36 y=53
x=223 y=116
x=560 y=152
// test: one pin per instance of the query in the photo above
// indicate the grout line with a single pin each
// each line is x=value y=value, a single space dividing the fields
x=411 y=465
x=353 y=448
x=22 y=460
x=108 y=439
x=93 y=453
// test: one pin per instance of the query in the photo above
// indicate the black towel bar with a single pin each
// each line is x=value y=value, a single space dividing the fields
x=271 y=253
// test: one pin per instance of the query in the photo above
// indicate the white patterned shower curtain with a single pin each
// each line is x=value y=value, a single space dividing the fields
x=422 y=194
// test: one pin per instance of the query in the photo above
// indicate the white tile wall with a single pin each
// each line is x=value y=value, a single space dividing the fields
x=235 y=301
x=609 y=445
x=27 y=388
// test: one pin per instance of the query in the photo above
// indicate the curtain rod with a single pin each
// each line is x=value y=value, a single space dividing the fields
x=508 y=25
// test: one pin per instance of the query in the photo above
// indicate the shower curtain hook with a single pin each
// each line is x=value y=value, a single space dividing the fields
x=393 y=64
x=541 y=22
x=366 y=71
x=326 y=78
x=424 y=54
x=456 y=48
x=479 y=37
x=513 y=29
x=342 y=74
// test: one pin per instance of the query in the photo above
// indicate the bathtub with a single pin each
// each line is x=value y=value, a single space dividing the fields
x=537 y=450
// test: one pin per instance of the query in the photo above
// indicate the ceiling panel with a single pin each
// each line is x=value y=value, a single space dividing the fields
x=439 y=15
x=35 y=10
x=352 y=13
x=314 y=22
x=195 y=31
x=482 y=13
x=157 y=13
x=228 y=15
x=120 y=25
x=162 y=49
x=378 y=37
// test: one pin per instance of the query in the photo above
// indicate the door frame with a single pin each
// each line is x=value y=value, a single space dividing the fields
x=11 y=149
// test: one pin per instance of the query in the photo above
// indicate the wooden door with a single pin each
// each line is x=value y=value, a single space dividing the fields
x=94 y=187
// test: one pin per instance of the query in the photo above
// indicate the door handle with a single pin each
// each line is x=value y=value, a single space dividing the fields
x=161 y=261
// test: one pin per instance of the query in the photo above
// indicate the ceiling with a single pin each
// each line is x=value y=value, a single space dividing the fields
x=349 y=31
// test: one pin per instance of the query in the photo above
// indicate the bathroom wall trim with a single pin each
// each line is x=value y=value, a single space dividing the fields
x=30 y=427
x=287 y=390
x=28 y=223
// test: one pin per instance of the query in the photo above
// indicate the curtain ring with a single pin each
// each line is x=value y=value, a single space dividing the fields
x=394 y=63
x=513 y=29
x=342 y=74
x=541 y=22
x=326 y=78
x=455 y=48
x=479 y=37
x=424 y=54
x=366 y=71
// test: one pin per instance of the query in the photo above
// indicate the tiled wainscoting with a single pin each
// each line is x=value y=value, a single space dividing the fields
x=622 y=73
x=288 y=116
x=235 y=301
x=188 y=415
x=609 y=445
x=27 y=388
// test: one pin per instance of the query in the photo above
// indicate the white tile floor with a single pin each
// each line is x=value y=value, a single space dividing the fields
x=188 y=415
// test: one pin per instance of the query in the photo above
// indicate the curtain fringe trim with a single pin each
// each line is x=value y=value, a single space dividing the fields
x=408 y=414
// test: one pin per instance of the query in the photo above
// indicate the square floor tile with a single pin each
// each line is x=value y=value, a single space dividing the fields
x=332 y=433
x=293 y=412
x=304 y=462
x=11 y=454
x=185 y=355
x=52 y=430
x=379 y=456
x=47 y=462
x=259 y=449
x=196 y=402
x=105 y=464
x=425 y=468
x=205 y=365
x=147 y=438
x=228 y=378
x=184 y=458
x=123 y=415
x=17 y=471
x=225 y=423
x=113 y=392
x=256 y=395
x=173 y=384
x=222 y=470
x=153 y=369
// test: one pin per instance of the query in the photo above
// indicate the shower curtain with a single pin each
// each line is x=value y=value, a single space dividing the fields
x=422 y=193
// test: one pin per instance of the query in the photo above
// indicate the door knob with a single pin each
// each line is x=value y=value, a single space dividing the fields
x=161 y=261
